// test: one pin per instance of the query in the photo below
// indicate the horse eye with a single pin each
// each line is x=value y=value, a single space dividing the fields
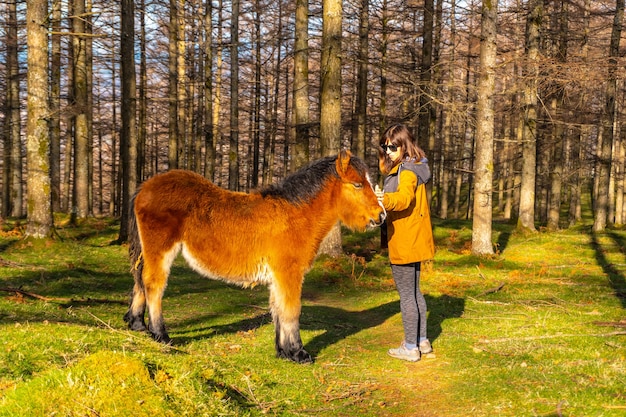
x=357 y=185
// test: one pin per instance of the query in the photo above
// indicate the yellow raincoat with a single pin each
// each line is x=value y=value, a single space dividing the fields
x=409 y=229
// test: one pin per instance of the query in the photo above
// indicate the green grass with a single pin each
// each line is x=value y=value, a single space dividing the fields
x=537 y=330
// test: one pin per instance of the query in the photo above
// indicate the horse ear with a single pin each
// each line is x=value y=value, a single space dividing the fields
x=343 y=160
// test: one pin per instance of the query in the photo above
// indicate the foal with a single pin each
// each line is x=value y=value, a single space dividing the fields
x=269 y=236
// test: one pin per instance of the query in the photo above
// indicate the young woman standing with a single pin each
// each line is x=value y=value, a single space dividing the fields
x=409 y=232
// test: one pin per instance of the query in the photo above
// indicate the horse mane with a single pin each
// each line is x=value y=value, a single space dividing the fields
x=304 y=184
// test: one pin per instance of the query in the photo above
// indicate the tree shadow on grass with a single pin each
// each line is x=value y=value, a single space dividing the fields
x=616 y=278
x=340 y=324
x=336 y=323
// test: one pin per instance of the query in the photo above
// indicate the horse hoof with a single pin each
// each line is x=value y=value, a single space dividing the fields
x=303 y=356
x=300 y=356
x=162 y=338
x=137 y=327
x=135 y=323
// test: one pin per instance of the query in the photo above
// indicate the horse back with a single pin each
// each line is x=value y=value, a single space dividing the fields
x=223 y=233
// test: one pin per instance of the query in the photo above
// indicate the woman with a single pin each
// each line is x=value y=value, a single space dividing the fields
x=409 y=232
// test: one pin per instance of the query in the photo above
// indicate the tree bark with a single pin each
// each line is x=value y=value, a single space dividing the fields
x=128 y=133
x=81 y=107
x=526 y=219
x=181 y=95
x=301 y=85
x=55 y=107
x=173 y=139
x=233 y=155
x=217 y=97
x=39 y=209
x=383 y=65
x=256 y=112
x=608 y=121
x=142 y=99
x=359 y=136
x=447 y=172
x=13 y=193
x=425 y=76
x=483 y=165
x=330 y=101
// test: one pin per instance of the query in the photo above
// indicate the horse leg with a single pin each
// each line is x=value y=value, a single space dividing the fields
x=135 y=314
x=155 y=273
x=285 y=305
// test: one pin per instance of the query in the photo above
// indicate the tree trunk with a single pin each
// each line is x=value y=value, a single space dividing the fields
x=270 y=148
x=526 y=219
x=217 y=101
x=256 y=113
x=233 y=155
x=81 y=107
x=301 y=85
x=447 y=173
x=425 y=76
x=209 y=138
x=142 y=133
x=128 y=132
x=383 y=65
x=181 y=83
x=330 y=110
x=39 y=210
x=55 y=107
x=608 y=122
x=173 y=140
x=13 y=148
x=89 y=112
x=359 y=145
x=483 y=165
x=560 y=26
x=620 y=157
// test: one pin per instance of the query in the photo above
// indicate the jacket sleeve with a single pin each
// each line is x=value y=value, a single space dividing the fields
x=401 y=199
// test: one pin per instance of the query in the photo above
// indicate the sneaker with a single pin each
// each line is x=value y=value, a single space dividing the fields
x=425 y=347
x=411 y=355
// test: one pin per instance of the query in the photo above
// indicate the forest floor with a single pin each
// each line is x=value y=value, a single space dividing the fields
x=539 y=329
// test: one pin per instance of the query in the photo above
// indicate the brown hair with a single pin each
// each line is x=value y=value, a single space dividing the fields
x=398 y=135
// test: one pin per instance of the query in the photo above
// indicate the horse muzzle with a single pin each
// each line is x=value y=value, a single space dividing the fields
x=381 y=218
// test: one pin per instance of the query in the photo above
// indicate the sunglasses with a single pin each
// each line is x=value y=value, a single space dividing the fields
x=392 y=148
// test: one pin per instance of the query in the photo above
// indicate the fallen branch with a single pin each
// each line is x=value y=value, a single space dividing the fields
x=491 y=291
x=4 y=262
x=35 y=296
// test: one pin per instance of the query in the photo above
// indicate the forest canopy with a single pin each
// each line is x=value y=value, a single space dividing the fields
x=236 y=91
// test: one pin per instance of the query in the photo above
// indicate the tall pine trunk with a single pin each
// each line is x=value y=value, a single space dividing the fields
x=606 y=137
x=13 y=193
x=526 y=219
x=359 y=145
x=301 y=85
x=173 y=140
x=483 y=160
x=55 y=107
x=39 y=211
x=128 y=132
x=233 y=154
x=330 y=110
x=81 y=117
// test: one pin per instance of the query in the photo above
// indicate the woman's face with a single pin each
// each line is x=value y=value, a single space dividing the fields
x=394 y=152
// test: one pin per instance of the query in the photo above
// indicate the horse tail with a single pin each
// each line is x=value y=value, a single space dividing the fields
x=134 y=245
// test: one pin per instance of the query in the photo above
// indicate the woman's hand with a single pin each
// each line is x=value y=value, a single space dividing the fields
x=379 y=193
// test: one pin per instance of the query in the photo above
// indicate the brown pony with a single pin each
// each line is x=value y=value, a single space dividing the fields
x=269 y=236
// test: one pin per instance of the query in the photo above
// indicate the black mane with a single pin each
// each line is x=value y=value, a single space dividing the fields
x=306 y=183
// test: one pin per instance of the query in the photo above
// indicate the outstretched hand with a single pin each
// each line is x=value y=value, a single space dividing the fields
x=379 y=193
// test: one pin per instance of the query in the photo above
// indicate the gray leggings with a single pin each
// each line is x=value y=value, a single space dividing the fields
x=412 y=302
